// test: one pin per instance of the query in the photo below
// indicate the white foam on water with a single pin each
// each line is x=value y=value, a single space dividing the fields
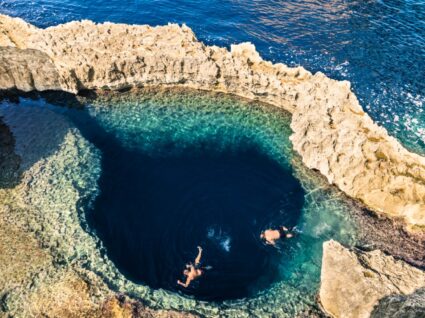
x=220 y=238
x=225 y=243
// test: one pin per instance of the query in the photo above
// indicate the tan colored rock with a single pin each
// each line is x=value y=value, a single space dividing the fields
x=67 y=296
x=27 y=70
x=20 y=255
x=332 y=133
x=122 y=307
x=353 y=282
x=14 y=33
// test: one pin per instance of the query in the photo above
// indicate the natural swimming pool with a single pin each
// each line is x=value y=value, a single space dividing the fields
x=177 y=170
x=175 y=177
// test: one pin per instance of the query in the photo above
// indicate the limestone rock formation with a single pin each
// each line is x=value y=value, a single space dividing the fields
x=27 y=70
x=353 y=282
x=331 y=132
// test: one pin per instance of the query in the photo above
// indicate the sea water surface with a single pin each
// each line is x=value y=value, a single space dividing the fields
x=377 y=45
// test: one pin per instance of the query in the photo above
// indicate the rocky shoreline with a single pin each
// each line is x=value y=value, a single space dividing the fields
x=331 y=133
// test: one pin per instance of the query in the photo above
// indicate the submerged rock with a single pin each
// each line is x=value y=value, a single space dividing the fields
x=331 y=132
x=45 y=254
x=353 y=282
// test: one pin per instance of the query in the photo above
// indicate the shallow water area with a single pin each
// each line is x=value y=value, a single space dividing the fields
x=181 y=169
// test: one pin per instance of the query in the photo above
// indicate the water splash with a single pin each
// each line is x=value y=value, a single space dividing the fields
x=221 y=238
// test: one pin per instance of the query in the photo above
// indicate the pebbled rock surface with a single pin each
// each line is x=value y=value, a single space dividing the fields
x=331 y=131
x=353 y=282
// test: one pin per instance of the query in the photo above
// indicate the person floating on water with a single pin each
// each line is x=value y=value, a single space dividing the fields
x=192 y=271
x=272 y=236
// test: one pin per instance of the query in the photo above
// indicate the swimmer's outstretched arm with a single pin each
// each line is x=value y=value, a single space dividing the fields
x=198 y=258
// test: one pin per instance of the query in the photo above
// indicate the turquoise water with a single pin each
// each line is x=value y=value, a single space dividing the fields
x=164 y=125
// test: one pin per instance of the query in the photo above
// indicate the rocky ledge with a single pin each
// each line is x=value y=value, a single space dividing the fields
x=356 y=284
x=331 y=132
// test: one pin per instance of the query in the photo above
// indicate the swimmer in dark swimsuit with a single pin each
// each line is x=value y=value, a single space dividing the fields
x=272 y=236
x=192 y=271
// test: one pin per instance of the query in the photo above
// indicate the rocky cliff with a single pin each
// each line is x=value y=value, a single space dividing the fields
x=331 y=132
x=354 y=284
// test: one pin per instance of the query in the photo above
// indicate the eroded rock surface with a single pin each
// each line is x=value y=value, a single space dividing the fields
x=353 y=282
x=402 y=306
x=331 y=132
x=27 y=70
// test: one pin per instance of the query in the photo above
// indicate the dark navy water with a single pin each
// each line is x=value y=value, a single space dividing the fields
x=378 y=45
x=153 y=213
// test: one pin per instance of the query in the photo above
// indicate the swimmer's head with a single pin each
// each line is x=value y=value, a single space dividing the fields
x=262 y=235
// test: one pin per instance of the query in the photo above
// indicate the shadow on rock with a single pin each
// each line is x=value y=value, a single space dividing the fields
x=29 y=134
x=9 y=160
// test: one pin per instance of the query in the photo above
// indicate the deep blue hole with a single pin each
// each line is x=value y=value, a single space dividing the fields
x=154 y=210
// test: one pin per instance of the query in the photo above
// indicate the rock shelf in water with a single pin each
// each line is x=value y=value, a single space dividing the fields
x=331 y=132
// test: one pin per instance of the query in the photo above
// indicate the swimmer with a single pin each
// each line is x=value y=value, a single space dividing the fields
x=192 y=271
x=272 y=236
